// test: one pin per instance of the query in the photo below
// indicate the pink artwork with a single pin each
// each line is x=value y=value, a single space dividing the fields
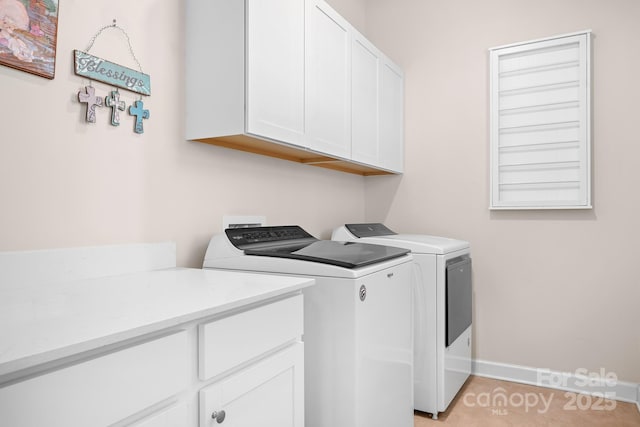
x=28 y=32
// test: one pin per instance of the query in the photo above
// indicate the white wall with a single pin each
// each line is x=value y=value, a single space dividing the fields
x=65 y=182
x=553 y=289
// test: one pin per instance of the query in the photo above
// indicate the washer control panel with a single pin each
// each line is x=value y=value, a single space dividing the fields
x=241 y=238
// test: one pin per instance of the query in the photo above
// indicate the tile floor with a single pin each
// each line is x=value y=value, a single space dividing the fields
x=478 y=405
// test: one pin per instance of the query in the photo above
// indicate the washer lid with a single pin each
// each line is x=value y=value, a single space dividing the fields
x=342 y=254
x=292 y=242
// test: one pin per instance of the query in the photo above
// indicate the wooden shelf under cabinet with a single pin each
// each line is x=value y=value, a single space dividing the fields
x=267 y=148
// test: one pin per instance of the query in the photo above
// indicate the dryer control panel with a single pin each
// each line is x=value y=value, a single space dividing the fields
x=371 y=229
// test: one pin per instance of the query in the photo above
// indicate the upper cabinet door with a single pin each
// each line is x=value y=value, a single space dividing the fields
x=275 y=69
x=391 y=123
x=377 y=100
x=328 y=80
x=365 y=93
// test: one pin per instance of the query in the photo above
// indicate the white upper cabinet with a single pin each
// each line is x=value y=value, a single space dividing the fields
x=291 y=79
x=328 y=80
x=275 y=69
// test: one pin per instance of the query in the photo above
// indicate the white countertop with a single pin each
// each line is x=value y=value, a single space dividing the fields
x=45 y=323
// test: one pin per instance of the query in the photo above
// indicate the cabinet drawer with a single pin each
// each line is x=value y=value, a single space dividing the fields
x=100 y=391
x=231 y=341
x=170 y=417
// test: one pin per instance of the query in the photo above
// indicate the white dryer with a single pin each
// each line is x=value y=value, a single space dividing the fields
x=357 y=320
x=442 y=306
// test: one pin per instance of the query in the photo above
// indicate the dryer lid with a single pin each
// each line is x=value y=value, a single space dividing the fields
x=379 y=234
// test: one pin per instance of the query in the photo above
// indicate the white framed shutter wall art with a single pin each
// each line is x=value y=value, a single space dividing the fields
x=540 y=130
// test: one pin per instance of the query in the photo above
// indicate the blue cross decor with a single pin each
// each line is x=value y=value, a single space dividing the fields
x=137 y=110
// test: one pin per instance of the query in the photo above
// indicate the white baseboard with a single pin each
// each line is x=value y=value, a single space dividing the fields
x=566 y=381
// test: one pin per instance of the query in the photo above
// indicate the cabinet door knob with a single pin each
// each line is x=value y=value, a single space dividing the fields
x=218 y=416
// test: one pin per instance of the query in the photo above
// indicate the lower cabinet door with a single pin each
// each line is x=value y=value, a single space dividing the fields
x=269 y=393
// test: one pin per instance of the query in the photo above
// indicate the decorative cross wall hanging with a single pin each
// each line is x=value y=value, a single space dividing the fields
x=116 y=105
x=140 y=113
x=89 y=97
x=94 y=68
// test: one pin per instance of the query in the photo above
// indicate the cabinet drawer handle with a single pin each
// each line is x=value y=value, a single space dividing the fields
x=218 y=416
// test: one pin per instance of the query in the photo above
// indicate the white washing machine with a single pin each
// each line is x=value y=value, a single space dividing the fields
x=443 y=310
x=358 y=324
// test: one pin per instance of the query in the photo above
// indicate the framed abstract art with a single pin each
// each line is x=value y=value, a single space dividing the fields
x=28 y=34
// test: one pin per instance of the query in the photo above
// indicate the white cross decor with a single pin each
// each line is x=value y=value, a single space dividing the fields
x=116 y=105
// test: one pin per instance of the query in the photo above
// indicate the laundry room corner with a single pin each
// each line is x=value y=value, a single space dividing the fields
x=552 y=281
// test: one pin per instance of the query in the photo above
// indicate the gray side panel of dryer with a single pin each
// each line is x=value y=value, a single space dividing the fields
x=459 y=295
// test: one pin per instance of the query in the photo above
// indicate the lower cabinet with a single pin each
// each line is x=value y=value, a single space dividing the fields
x=268 y=394
x=249 y=364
